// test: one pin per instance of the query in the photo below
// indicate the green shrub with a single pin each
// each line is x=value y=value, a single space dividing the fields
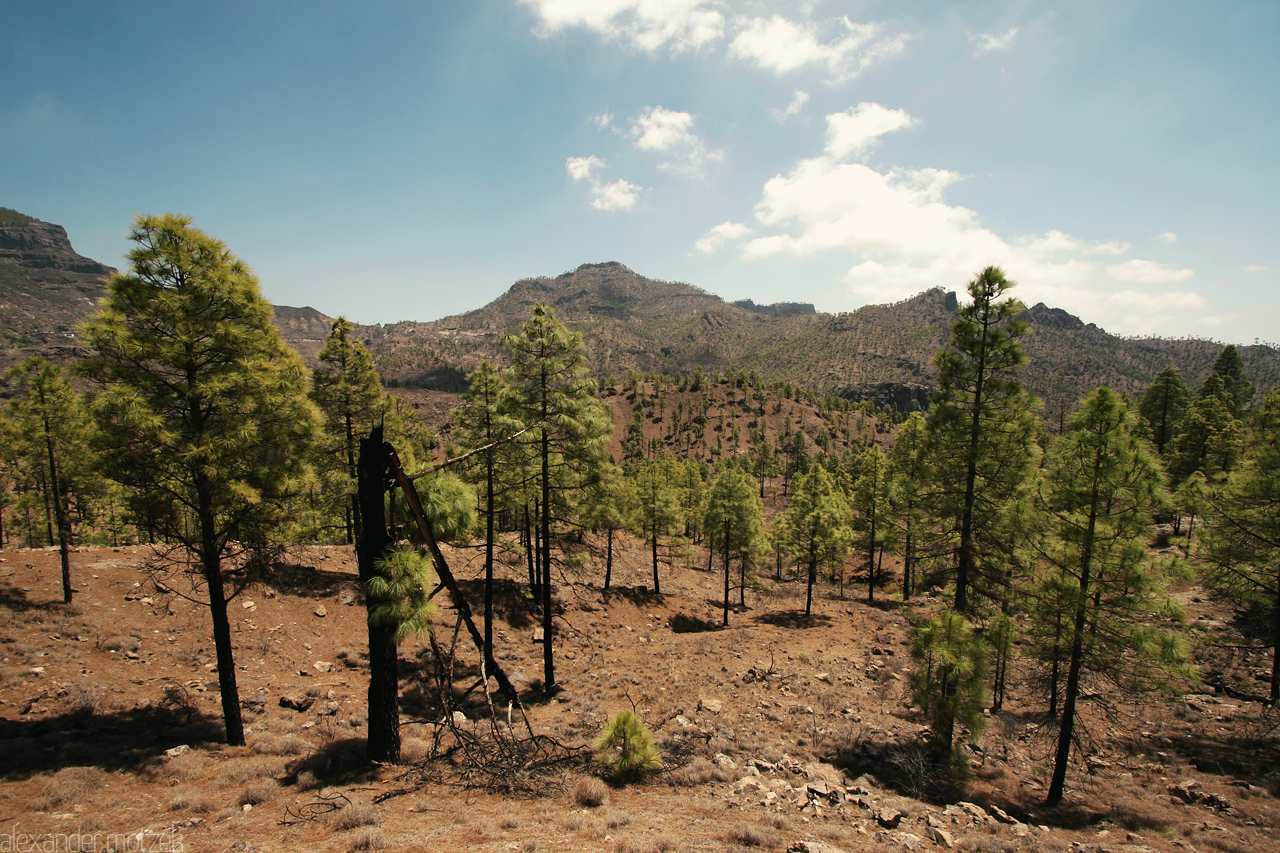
x=624 y=749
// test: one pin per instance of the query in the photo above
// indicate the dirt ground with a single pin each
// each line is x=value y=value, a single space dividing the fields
x=775 y=732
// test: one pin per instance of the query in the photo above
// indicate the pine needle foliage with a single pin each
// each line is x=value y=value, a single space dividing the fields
x=947 y=682
x=402 y=593
x=624 y=750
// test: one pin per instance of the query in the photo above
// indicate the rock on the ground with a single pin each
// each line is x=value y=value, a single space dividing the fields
x=938 y=836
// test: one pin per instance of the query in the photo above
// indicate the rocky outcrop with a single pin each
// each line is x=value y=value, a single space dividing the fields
x=43 y=245
x=904 y=396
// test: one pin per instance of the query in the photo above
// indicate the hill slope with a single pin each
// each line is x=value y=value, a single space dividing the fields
x=882 y=353
x=46 y=288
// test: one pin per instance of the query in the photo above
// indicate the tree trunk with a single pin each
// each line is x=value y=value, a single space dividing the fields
x=60 y=510
x=488 y=553
x=726 y=573
x=211 y=565
x=608 y=560
x=372 y=545
x=548 y=625
x=656 y=588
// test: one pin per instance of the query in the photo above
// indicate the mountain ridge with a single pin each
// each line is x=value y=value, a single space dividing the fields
x=882 y=353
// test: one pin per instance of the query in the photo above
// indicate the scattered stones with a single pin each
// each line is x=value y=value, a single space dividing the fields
x=322 y=611
x=710 y=706
x=248 y=605
x=175 y=751
x=813 y=847
x=295 y=702
x=1001 y=815
x=329 y=709
x=888 y=818
x=322 y=666
x=939 y=836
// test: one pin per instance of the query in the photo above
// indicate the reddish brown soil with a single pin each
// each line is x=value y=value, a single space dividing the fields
x=92 y=696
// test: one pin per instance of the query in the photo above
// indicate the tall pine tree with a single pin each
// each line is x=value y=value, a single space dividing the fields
x=982 y=425
x=203 y=411
x=567 y=435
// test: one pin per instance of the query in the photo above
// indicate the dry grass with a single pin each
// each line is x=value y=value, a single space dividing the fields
x=755 y=835
x=368 y=838
x=259 y=793
x=353 y=816
x=120 y=643
x=70 y=786
x=414 y=750
x=289 y=744
x=193 y=801
x=590 y=792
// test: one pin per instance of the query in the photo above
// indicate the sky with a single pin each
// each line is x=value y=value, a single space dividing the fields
x=410 y=160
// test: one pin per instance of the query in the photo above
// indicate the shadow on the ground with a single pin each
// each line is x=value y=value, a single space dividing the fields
x=512 y=601
x=114 y=741
x=640 y=596
x=16 y=598
x=338 y=762
x=793 y=619
x=682 y=623
x=308 y=581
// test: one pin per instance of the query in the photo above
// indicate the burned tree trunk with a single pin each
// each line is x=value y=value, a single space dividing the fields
x=371 y=546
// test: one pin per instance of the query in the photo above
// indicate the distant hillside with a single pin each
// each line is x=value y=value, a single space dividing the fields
x=879 y=353
x=46 y=288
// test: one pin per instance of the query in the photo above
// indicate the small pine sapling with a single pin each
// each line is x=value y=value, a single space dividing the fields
x=624 y=749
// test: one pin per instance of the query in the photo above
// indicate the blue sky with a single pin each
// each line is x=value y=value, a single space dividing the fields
x=395 y=160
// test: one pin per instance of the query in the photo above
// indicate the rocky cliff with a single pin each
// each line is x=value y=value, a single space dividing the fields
x=46 y=288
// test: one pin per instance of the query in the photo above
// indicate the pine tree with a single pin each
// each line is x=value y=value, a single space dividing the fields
x=1098 y=495
x=659 y=506
x=568 y=432
x=481 y=424
x=1210 y=439
x=869 y=501
x=910 y=474
x=612 y=504
x=53 y=426
x=814 y=529
x=982 y=425
x=1237 y=390
x=1243 y=526
x=347 y=390
x=950 y=662
x=734 y=522
x=1162 y=408
x=203 y=411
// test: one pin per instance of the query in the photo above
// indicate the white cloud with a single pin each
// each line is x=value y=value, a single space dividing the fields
x=716 y=238
x=603 y=121
x=619 y=195
x=1169 y=237
x=660 y=129
x=669 y=131
x=1139 y=271
x=798 y=99
x=648 y=25
x=985 y=43
x=781 y=45
x=1254 y=268
x=582 y=168
x=857 y=128
x=903 y=237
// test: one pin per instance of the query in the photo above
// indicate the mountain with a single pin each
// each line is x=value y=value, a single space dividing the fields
x=46 y=289
x=882 y=353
